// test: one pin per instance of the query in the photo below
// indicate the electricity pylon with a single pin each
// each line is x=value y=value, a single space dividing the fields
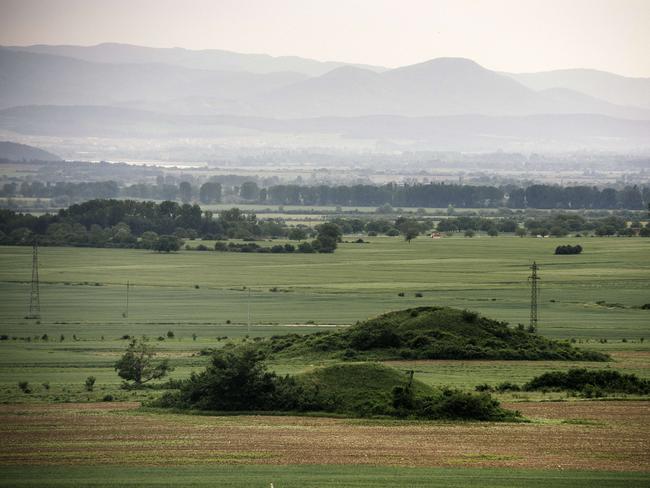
x=534 y=295
x=34 y=297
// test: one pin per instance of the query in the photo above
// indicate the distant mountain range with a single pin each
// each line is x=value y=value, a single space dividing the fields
x=208 y=59
x=22 y=152
x=116 y=90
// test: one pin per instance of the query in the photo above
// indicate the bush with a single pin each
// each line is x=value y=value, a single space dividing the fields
x=236 y=381
x=137 y=364
x=24 y=387
x=568 y=249
x=507 y=386
x=170 y=334
x=89 y=384
x=587 y=381
x=107 y=398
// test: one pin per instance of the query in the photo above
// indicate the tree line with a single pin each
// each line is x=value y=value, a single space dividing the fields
x=437 y=195
x=151 y=225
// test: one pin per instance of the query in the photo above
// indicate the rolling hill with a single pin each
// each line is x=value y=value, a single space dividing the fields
x=427 y=333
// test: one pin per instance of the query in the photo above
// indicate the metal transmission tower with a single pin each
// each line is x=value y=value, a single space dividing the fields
x=125 y=314
x=34 y=297
x=534 y=295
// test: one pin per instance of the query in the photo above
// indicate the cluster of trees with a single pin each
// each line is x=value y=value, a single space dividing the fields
x=590 y=382
x=327 y=238
x=63 y=191
x=129 y=223
x=557 y=225
x=437 y=195
x=474 y=224
x=554 y=196
x=568 y=249
x=560 y=225
x=238 y=380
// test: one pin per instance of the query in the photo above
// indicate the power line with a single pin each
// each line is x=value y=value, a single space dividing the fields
x=534 y=295
x=35 y=296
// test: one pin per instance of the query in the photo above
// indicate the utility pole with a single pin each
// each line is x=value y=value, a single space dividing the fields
x=34 y=297
x=534 y=295
x=126 y=312
x=249 y=312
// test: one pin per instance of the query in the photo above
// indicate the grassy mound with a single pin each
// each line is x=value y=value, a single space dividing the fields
x=428 y=333
x=372 y=389
x=359 y=387
x=239 y=381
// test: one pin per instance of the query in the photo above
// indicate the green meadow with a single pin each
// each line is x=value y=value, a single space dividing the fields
x=206 y=297
x=83 y=290
x=310 y=476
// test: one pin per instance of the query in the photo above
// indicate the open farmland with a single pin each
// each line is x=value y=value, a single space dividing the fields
x=83 y=290
x=58 y=441
x=206 y=294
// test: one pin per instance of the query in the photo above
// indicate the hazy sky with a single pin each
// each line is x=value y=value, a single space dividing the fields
x=509 y=35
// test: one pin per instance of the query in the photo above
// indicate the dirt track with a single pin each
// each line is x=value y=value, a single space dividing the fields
x=576 y=435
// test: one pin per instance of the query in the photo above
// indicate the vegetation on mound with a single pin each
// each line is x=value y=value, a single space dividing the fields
x=590 y=382
x=428 y=333
x=238 y=380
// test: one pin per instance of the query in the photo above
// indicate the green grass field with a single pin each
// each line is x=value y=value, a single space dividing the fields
x=84 y=289
x=83 y=294
x=310 y=476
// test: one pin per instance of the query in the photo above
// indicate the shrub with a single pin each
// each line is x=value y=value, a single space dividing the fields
x=24 y=387
x=236 y=381
x=568 y=249
x=170 y=334
x=584 y=380
x=89 y=384
x=107 y=398
x=507 y=386
x=137 y=364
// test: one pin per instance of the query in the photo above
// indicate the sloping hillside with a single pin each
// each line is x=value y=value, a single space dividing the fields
x=428 y=333
x=20 y=152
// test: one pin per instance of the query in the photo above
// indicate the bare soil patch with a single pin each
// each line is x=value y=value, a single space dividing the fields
x=573 y=435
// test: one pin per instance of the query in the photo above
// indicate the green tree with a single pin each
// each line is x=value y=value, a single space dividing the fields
x=167 y=243
x=249 y=190
x=297 y=234
x=210 y=192
x=137 y=364
x=185 y=190
x=327 y=238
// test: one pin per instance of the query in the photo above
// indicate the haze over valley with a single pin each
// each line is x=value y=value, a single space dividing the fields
x=146 y=103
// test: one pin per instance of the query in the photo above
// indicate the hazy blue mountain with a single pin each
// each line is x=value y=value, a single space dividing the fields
x=439 y=87
x=31 y=79
x=443 y=86
x=610 y=87
x=209 y=59
x=22 y=152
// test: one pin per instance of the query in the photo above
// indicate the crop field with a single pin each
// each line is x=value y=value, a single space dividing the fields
x=59 y=434
x=49 y=444
x=592 y=295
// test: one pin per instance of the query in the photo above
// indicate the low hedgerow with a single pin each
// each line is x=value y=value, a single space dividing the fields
x=590 y=382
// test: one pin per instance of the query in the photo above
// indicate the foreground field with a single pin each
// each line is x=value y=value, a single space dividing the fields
x=601 y=436
x=203 y=297
x=303 y=476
